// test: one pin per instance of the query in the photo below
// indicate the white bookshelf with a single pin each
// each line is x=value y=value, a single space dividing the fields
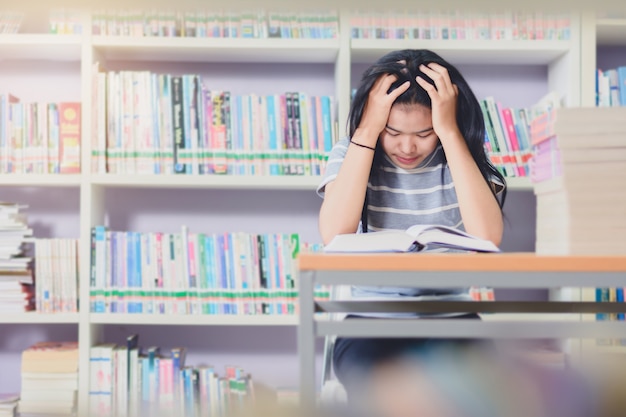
x=231 y=182
x=561 y=58
x=523 y=52
x=217 y=49
x=38 y=318
x=40 y=180
x=41 y=47
x=193 y=320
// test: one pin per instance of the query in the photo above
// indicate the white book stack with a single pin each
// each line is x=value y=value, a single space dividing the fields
x=49 y=379
x=8 y=404
x=16 y=279
x=581 y=194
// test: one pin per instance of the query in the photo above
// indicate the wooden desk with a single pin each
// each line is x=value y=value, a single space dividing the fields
x=510 y=270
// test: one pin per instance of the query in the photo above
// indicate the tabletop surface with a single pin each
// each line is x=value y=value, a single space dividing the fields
x=464 y=262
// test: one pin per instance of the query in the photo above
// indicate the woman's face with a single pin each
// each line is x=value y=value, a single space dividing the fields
x=409 y=137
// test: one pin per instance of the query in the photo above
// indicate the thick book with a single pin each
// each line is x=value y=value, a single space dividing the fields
x=414 y=239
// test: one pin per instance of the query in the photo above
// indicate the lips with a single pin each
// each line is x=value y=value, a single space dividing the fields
x=406 y=161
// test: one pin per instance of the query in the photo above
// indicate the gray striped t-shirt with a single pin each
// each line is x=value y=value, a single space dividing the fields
x=400 y=198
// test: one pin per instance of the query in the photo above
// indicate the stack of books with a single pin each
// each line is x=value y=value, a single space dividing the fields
x=49 y=379
x=8 y=404
x=16 y=278
x=579 y=168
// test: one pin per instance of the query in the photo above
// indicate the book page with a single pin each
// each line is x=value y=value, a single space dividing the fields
x=387 y=241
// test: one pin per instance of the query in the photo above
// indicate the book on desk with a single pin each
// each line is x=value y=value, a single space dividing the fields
x=416 y=238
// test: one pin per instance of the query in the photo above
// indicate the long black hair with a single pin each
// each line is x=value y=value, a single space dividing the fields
x=404 y=64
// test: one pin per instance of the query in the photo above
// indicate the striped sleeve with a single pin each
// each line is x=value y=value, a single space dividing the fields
x=335 y=159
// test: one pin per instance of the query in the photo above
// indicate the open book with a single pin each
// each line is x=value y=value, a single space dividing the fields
x=414 y=239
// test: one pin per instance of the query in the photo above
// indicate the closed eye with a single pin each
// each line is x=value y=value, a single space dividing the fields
x=392 y=132
x=424 y=135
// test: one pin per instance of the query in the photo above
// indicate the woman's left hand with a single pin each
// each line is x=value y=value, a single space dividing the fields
x=443 y=96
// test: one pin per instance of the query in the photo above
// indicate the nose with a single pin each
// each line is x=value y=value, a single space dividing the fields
x=408 y=146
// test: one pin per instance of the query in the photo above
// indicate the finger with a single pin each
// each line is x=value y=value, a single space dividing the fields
x=377 y=83
x=387 y=81
x=399 y=90
x=430 y=89
x=439 y=76
x=456 y=89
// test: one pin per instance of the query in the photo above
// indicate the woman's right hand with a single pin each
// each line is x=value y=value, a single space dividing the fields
x=378 y=106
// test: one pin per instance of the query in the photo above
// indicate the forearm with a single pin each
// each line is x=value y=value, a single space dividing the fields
x=344 y=197
x=479 y=208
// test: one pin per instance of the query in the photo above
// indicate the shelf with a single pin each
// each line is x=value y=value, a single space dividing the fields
x=40 y=47
x=519 y=183
x=40 y=180
x=466 y=52
x=34 y=318
x=530 y=317
x=193 y=320
x=217 y=49
x=611 y=31
x=208 y=181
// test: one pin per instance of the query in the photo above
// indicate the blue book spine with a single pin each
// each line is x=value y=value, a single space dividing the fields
x=621 y=76
x=130 y=274
x=99 y=281
x=602 y=295
x=188 y=392
x=140 y=296
x=208 y=264
x=327 y=124
x=619 y=297
x=272 y=146
x=115 y=267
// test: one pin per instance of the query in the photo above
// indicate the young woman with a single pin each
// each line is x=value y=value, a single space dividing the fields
x=415 y=155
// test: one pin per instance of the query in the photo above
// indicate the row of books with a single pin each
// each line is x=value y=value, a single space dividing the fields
x=16 y=277
x=66 y=21
x=10 y=21
x=612 y=295
x=56 y=266
x=195 y=273
x=611 y=87
x=39 y=138
x=507 y=138
x=462 y=25
x=216 y=24
x=151 y=123
x=130 y=381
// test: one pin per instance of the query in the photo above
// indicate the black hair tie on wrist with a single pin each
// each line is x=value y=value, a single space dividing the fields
x=363 y=146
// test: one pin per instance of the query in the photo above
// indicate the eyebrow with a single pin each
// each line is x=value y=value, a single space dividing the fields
x=415 y=133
